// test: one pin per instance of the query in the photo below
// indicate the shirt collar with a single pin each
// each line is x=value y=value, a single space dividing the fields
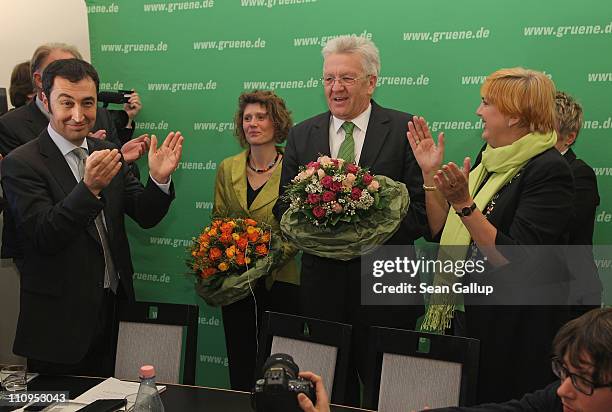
x=65 y=146
x=564 y=152
x=41 y=107
x=360 y=121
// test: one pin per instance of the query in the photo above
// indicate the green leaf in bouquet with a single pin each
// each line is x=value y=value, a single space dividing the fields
x=346 y=218
x=335 y=219
x=377 y=202
x=308 y=213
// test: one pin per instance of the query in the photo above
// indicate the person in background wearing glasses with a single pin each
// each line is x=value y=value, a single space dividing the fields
x=247 y=186
x=358 y=130
x=582 y=361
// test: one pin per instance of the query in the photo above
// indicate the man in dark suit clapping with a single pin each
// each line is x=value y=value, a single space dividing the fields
x=68 y=194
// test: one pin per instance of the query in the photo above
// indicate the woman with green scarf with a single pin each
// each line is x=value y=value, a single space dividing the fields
x=520 y=192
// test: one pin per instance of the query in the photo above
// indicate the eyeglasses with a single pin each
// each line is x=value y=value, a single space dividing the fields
x=342 y=81
x=580 y=383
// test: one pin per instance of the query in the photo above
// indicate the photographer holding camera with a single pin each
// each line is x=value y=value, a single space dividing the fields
x=280 y=382
x=322 y=404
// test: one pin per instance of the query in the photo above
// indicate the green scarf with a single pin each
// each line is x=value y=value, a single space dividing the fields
x=504 y=163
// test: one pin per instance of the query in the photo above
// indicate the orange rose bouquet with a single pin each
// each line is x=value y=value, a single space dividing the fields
x=229 y=256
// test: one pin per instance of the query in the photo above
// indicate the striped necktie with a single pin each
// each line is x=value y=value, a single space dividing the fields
x=347 y=148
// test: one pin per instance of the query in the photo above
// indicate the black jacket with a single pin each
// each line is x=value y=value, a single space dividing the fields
x=63 y=267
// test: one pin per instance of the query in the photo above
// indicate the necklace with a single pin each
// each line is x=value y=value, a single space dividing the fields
x=267 y=169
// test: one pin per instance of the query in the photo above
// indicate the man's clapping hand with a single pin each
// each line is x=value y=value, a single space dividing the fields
x=100 y=168
x=135 y=148
x=164 y=160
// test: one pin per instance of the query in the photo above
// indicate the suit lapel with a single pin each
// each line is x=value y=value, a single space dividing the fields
x=320 y=137
x=61 y=171
x=239 y=180
x=56 y=163
x=378 y=129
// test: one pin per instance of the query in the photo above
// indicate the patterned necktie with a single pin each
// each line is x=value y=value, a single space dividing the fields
x=347 y=148
x=111 y=279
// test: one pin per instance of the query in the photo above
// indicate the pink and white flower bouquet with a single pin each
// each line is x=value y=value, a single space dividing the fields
x=340 y=210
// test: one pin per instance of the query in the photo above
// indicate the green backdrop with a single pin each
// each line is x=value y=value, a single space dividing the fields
x=190 y=61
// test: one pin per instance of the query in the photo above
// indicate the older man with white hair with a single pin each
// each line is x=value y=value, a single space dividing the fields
x=358 y=130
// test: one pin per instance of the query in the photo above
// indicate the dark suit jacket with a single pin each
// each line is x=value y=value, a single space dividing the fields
x=385 y=151
x=586 y=201
x=534 y=208
x=586 y=287
x=18 y=127
x=63 y=268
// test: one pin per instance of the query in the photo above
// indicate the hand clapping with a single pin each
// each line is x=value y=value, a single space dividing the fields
x=428 y=155
x=100 y=168
x=449 y=180
x=135 y=148
x=452 y=182
x=165 y=159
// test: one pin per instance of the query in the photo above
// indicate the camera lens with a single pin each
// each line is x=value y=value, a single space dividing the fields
x=284 y=361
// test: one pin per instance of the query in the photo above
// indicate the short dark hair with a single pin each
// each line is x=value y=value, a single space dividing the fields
x=21 y=84
x=277 y=110
x=587 y=340
x=73 y=70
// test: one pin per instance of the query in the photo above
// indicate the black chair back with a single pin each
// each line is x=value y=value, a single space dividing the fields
x=313 y=338
x=453 y=360
x=145 y=317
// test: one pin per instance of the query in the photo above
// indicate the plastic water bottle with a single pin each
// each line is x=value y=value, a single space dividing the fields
x=148 y=399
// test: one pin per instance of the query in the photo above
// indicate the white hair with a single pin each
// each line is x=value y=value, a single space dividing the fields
x=365 y=48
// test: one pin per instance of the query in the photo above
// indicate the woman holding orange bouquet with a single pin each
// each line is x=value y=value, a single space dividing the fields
x=247 y=186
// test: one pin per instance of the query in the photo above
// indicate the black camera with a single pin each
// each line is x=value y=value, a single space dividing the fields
x=278 y=389
x=118 y=97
